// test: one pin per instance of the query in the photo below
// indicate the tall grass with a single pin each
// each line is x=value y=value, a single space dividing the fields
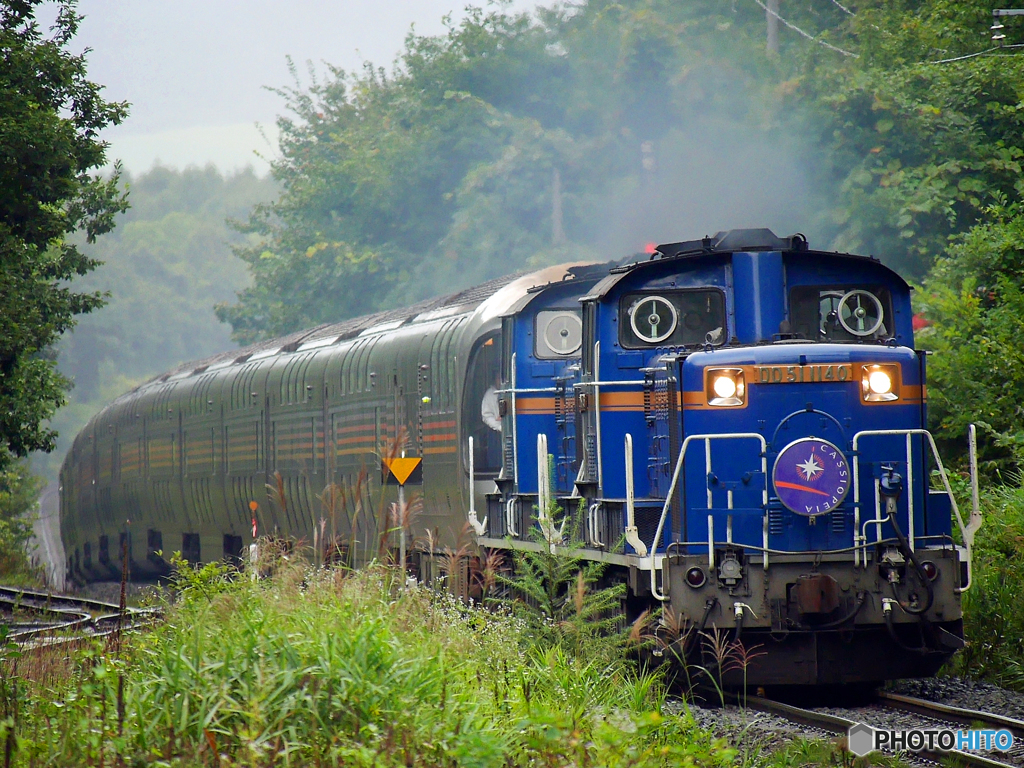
x=326 y=667
x=993 y=611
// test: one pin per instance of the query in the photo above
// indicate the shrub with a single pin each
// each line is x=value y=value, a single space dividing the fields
x=993 y=617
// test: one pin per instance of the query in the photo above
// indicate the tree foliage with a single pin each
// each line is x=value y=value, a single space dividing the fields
x=917 y=141
x=50 y=116
x=504 y=143
x=975 y=300
x=19 y=494
x=513 y=141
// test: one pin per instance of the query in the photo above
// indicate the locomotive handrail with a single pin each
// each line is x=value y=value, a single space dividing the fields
x=510 y=512
x=707 y=438
x=623 y=383
x=967 y=531
x=552 y=535
x=478 y=526
x=515 y=426
x=597 y=418
x=632 y=536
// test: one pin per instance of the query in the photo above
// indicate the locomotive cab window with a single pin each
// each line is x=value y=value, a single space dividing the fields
x=841 y=313
x=558 y=334
x=672 y=318
x=480 y=405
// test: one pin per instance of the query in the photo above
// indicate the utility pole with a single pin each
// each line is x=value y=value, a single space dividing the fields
x=772 y=17
x=557 y=231
x=997 y=26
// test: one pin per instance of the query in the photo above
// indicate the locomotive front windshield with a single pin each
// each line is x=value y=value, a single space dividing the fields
x=672 y=318
x=841 y=313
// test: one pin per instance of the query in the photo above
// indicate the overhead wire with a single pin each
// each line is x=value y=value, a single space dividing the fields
x=845 y=9
x=837 y=49
x=979 y=53
x=809 y=36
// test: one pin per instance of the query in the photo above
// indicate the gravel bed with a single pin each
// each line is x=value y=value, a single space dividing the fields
x=754 y=732
x=748 y=730
x=963 y=692
x=138 y=593
x=881 y=717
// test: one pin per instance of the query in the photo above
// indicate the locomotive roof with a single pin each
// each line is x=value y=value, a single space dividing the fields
x=724 y=244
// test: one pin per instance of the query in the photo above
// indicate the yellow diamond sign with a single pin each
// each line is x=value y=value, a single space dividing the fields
x=403 y=470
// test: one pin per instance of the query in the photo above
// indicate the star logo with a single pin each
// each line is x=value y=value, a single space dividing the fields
x=810 y=468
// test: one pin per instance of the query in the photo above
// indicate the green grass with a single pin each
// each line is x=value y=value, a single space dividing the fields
x=826 y=753
x=327 y=667
x=993 y=610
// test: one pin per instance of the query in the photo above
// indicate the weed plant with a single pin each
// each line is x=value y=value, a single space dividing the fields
x=563 y=597
x=993 y=615
x=330 y=667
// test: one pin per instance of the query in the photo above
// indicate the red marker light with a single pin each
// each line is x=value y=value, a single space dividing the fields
x=650 y=247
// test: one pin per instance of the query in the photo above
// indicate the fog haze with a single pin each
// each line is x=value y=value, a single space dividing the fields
x=195 y=70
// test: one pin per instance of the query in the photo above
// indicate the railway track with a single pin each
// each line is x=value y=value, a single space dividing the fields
x=907 y=713
x=36 y=619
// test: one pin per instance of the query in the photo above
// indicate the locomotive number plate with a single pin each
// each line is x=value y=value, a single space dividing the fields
x=802 y=374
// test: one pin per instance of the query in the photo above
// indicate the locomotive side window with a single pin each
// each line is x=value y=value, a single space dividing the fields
x=672 y=318
x=841 y=313
x=483 y=378
x=558 y=334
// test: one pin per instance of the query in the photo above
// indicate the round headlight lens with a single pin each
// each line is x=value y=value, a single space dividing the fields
x=724 y=386
x=879 y=382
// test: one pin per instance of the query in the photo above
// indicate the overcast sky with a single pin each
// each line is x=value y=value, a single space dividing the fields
x=194 y=70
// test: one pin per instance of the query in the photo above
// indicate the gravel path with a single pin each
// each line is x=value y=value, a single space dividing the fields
x=755 y=732
x=962 y=692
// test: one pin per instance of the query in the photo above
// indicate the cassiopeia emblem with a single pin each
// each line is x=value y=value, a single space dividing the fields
x=811 y=476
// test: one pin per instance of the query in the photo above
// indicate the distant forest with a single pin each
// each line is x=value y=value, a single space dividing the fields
x=166 y=263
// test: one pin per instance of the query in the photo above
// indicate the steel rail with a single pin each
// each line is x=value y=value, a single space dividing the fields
x=34 y=599
x=56 y=614
x=946 y=712
x=840 y=725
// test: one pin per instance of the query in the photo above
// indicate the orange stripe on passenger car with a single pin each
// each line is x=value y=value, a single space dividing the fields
x=357 y=428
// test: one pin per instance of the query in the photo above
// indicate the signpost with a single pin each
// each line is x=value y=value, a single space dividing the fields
x=402 y=471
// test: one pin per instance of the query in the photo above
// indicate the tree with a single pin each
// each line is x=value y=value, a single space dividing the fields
x=918 y=130
x=974 y=298
x=19 y=492
x=442 y=174
x=50 y=116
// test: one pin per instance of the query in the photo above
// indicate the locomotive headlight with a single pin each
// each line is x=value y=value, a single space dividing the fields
x=880 y=383
x=725 y=387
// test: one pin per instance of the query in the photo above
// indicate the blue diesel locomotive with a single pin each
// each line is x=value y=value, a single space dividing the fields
x=748 y=445
x=735 y=425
